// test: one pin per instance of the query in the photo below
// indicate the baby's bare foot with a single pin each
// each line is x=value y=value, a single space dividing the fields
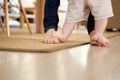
x=103 y=41
x=97 y=39
x=61 y=37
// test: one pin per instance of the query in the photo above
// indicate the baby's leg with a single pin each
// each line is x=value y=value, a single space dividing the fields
x=66 y=32
x=97 y=35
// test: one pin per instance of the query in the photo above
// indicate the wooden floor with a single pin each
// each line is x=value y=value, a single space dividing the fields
x=80 y=63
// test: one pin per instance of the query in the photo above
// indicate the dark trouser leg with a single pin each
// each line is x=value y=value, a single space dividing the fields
x=90 y=23
x=51 y=18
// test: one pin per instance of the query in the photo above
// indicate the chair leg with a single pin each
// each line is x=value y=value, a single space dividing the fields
x=21 y=20
x=6 y=17
x=1 y=26
x=25 y=17
x=39 y=16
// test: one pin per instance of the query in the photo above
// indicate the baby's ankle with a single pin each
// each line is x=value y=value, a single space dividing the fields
x=64 y=38
x=99 y=34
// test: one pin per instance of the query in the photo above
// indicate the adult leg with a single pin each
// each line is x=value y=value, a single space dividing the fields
x=51 y=18
x=90 y=23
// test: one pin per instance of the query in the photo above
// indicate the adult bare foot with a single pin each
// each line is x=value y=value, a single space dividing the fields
x=49 y=38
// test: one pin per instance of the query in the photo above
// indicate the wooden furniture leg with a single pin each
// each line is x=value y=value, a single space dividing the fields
x=6 y=17
x=1 y=26
x=21 y=20
x=39 y=16
x=25 y=17
x=27 y=9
